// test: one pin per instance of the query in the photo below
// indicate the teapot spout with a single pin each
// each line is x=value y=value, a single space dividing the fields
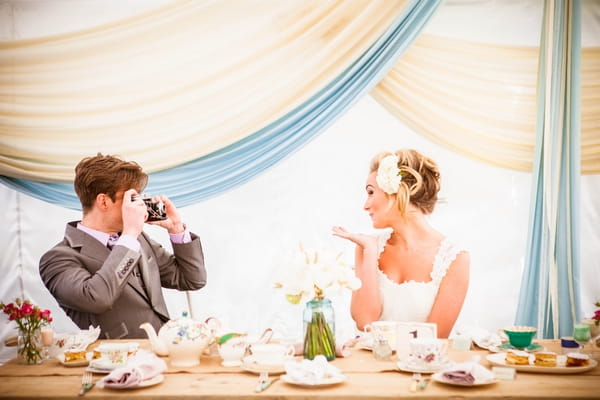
x=158 y=346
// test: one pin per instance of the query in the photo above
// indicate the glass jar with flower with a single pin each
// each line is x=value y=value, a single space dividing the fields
x=30 y=319
x=311 y=275
x=594 y=324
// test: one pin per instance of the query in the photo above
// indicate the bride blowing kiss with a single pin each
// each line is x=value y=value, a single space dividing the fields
x=409 y=271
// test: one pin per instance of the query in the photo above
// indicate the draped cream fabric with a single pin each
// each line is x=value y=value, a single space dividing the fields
x=174 y=84
x=480 y=99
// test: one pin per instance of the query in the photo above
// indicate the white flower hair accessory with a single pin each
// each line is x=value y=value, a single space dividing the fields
x=388 y=174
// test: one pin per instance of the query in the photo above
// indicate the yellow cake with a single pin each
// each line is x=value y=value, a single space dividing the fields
x=75 y=355
x=517 y=357
x=545 y=359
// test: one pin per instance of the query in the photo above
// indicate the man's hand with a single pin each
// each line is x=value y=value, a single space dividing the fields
x=173 y=223
x=134 y=214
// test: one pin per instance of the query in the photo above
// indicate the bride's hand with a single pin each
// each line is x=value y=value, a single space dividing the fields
x=360 y=239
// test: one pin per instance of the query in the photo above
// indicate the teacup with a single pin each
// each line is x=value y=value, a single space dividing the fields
x=112 y=355
x=233 y=351
x=271 y=353
x=520 y=336
x=427 y=353
x=387 y=329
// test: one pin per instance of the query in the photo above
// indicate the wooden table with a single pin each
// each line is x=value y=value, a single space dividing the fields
x=367 y=379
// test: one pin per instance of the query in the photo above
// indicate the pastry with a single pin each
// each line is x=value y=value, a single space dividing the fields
x=577 y=360
x=545 y=359
x=75 y=355
x=517 y=357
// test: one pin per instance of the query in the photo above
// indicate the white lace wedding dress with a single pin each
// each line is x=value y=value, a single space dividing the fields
x=412 y=301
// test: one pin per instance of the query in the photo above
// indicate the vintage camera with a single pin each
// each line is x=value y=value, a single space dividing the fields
x=156 y=209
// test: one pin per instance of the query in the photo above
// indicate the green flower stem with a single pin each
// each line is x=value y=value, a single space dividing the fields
x=319 y=338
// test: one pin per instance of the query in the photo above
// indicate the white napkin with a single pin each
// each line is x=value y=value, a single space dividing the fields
x=74 y=341
x=468 y=373
x=143 y=366
x=311 y=372
x=481 y=337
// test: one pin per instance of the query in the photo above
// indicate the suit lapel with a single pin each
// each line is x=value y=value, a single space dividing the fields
x=151 y=276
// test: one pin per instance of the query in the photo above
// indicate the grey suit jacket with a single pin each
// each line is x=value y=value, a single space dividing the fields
x=119 y=289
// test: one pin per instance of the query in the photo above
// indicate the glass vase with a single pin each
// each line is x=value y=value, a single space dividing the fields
x=29 y=347
x=319 y=329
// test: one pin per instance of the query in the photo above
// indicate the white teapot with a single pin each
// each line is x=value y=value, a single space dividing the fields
x=182 y=339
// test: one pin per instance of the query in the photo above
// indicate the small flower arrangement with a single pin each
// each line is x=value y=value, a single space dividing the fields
x=596 y=316
x=313 y=274
x=30 y=319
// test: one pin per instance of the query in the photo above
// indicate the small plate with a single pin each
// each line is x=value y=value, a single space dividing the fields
x=250 y=365
x=408 y=367
x=533 y=347
x=82 y=363
x=334 y=380
x=561 y=368
x=439 y=377
x=97 y=370
x=148 y=382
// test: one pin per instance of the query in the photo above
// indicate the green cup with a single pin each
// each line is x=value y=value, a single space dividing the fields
x=520 y=336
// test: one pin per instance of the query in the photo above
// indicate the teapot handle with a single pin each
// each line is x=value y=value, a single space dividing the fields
x=266 y=336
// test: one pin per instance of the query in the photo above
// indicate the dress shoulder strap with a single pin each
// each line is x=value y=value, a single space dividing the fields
x=445 y=256
x=383 y=235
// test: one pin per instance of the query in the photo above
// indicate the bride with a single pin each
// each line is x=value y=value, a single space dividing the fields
x=409 y=271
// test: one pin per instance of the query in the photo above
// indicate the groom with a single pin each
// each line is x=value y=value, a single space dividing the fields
x=106 y=271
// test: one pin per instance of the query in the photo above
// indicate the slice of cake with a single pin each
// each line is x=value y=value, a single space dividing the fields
x=75 y=355
x=577 y=360
x=545 y=359
x=517 y=357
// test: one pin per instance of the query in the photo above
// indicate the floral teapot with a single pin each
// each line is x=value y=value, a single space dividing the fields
x=182 y=339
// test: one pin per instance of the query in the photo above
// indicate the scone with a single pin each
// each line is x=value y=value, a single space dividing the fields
x=577 y=360
x=545 y=359
x=75 y=355
x=517 y=357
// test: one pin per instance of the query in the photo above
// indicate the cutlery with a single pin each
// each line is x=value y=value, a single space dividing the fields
x=86 y=383
x=264 y=384
x=415 y=382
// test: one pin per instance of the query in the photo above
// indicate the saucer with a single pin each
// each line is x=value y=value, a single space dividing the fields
x=407 y=366
x=531 y=348
x=249 y=364
x=231 y=363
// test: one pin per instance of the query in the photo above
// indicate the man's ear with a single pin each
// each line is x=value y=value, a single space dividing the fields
x=102 y=201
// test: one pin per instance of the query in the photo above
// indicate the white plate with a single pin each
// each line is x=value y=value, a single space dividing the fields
x=439 y=377
x=97 y=370
x=334 y=380
x=500 y=359
x=82 y=363
x=148 y=382
x=408 y=367
x=248 y=364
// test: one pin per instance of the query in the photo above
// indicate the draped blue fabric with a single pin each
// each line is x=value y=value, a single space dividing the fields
x=549 y=297
x=238 y=163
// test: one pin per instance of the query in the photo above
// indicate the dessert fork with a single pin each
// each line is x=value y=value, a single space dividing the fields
x=86 y=383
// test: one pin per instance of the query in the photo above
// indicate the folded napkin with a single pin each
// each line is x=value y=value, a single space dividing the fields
x=311 y=371
x=468 y=373
x=480 y=336
x=143 y=366
x=74 y=341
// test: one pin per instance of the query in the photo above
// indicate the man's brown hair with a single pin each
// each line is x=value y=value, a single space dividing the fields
x=106 y=174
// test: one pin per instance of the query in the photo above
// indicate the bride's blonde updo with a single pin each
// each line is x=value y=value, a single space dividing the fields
x=420 y=179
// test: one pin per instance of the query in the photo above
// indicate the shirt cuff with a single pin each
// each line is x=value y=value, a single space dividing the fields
x=129 y=241
x=182 y=237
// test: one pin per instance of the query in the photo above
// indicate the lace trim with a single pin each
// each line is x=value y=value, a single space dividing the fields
x=445 y=255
